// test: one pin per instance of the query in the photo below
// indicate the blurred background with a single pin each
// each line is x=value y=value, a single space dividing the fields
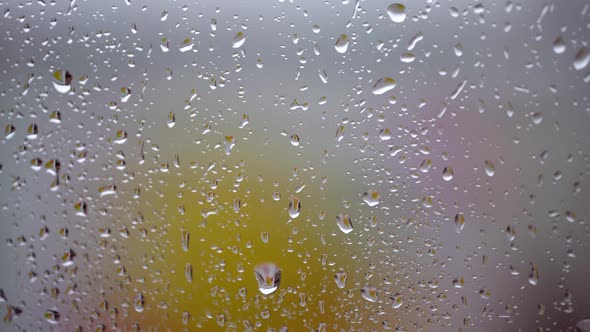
x=156 y=153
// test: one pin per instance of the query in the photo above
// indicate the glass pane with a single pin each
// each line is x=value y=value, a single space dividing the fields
x=294 y=165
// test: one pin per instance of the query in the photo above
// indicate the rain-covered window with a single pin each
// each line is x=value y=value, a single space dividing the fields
x=294 y=165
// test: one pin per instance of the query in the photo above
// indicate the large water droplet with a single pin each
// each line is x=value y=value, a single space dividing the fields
x=340 y=279
x=559 y=45
x=383 y=85
x=344 y=223
x=447 y=173
x=397 y=12
x=268 y=276
x=582 y=58
x=489 y=167
x=138 y=302
x=371 y=197
x=369 y=293
x=238 y=40
x=62 y=81
x=341 y=44
x=294 y=207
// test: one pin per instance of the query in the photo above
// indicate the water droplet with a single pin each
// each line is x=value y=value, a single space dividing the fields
x=447 y=173
x=344 y=223
x=425 y=165
x=397 y=300
x=62 y=81
x=125 y=94
x=581 y=59
x=238 y=40
x=534 y=275
x=138 y=302
x=9 y=131
x=341 y=44
x=186 y=45
x=52 y=316
x=383 y=85
x=559 y=45
x=489 y=168
x=294 y=207
x=369 y=293
x=295 y=140
x=184 y=239
x=397 y=12
x=340 y=133
x=323 y=75
x=268 y=276
x=459 y=222
x=385 y=134
x=340 y=279
x=407 y=57
x=371 y=197
x=230 y=142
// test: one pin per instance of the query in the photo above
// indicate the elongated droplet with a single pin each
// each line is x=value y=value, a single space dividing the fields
x=238 y=40
x=383 y=85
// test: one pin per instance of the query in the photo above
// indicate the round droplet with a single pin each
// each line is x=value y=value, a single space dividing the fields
x=385 y=134
x=447 y=173
x=268 y=276
x=341 y=44
x=344 y=223
x=397 y=12
x=383 y=85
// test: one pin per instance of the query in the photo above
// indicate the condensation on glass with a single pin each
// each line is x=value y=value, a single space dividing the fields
x=294 y=165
